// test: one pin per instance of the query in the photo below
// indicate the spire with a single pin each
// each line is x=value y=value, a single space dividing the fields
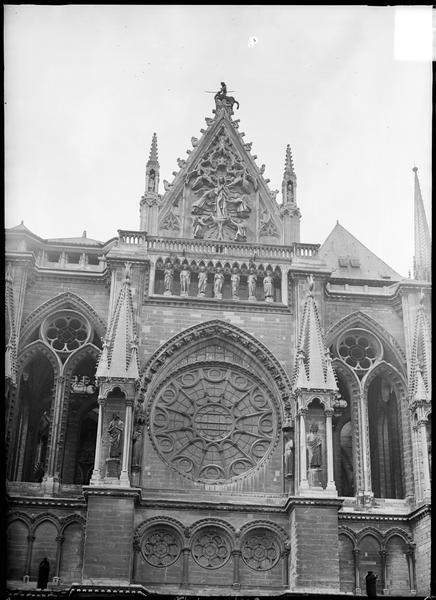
x=119 y=357
x=422 y=258
x=313 y=369
x=152 y=169
x=420 y=363
x=289 y=210
x=289 y=164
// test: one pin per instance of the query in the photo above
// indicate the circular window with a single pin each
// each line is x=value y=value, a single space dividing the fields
x=213 y=423
x=211 y=548
x=161 y=547
x=66 y=331
x=260 y=550
x=359 y=349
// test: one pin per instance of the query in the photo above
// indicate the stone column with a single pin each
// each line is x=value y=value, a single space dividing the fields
x=96 y=474
x=356 y=556
x=151 y=277
x=185 y=568
x=423 y=453
x=30 y=540
x=383 y=556
x=417 y=469
x=53 y=450
x=285 y=298
x=124 y=477
x=285 y=566
x=410 y=555
x=60 y=541
x=329 y=442
x=236 y=556
x=364 y=444
x=303 y=484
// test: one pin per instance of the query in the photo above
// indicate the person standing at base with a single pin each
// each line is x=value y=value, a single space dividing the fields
x=43 y=571
x=371 y=584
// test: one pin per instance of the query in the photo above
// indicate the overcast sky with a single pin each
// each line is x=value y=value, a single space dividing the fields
x=86 y=86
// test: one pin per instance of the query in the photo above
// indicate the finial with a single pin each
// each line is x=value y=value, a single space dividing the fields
x=289 y=165
x=84 y=233
x=415 y=169
x=22 y=222
x=153 y=150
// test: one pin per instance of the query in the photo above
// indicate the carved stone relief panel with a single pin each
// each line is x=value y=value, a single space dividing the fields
x=160 y=546
x=211 y=548
x=214 y=422
x=260 y=549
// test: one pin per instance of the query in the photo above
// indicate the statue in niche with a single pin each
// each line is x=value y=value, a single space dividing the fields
x=41 y=446
x=268 y=287
x=252 y=280
x=168 y=279
x=185 y=280
x=314 y=446
x=137 y=448
x=151 y=181
x=115 y=432
x=235 y=279
x=290 y=191
x=202 y=281
x=289 y=458
x=218 y=283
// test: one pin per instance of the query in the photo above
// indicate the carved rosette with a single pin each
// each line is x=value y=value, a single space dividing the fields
x=213 y=423
x=211 y=548
x=260 y=550
x=160 y=547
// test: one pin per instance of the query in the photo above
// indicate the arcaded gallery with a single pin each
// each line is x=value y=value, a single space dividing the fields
x=210 y=406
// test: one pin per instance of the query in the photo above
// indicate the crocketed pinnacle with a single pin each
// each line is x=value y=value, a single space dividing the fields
x=119 y=357
x=422 y=259
x=420 y=360
x=313 y=366
x=153 y=158
x=289 y=164
x=11 y=346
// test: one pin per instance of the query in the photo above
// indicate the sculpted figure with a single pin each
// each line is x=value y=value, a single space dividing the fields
x=314 y=444
x=235 y=279
x=290 y=191
x=151 y=182
x=185 y=280
x=268 y=287
x=115 y=431
x=168 y=279
x=202 y=281
x=252 y=280
x=289 y=458
x=218 y=283
x=136 y=448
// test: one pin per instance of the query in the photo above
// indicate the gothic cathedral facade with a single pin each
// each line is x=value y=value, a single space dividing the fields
x=208 y=405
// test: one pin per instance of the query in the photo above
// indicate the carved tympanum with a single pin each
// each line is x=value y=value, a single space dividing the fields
x=213 y=423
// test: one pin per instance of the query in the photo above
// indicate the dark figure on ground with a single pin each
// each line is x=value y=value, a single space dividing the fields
x=43 y=571
x=371 y=582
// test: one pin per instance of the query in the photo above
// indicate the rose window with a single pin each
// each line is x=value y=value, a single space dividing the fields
x=260 y=550
x=161 y=547
x=213 y=423
x=210 y=549
x=359 y=349
x=66 y=331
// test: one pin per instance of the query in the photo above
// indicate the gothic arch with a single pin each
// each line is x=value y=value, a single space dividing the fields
x=371 y=532
x=263 y=524
x=41 y=347
x=394 y=375
x=20 y=516
x=359 y=318
x=75 y=357
x=45 y=517
x=65 y=300
x=71 y=519
x=396 y=531
x=251 y=346
x=164 y=520
x=212 y=522
x=348 y=533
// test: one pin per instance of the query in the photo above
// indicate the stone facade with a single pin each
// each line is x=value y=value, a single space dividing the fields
x=208 y=406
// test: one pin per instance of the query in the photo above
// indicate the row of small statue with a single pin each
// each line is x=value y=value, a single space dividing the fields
x=313 y=454
x=235 y=278
x=82 y=385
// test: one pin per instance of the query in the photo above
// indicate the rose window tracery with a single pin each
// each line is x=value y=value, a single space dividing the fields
x=213 y=423
x=359 y=349
x=211 y=549
x=260 y=550
x=66 y=331
x=160 y=547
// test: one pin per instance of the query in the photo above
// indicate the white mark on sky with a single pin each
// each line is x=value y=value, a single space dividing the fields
x=252 y=41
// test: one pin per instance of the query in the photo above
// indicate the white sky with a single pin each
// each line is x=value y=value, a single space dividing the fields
x=86 y=86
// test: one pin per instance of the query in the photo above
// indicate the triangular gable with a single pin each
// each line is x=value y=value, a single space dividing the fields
x=420 y=364
x=350 y=259
x=220 y=192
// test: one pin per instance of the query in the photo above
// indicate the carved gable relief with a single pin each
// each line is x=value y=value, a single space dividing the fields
x=221 y=194
x=267 y=227
x=171 y=221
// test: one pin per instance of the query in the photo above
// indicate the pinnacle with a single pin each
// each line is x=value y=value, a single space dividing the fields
x=153 y=150
x=289 y=164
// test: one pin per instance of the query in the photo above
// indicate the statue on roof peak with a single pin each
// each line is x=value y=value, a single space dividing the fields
x=221 y=98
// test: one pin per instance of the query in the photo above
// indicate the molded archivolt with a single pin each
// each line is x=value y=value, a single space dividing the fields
x=361 y=319
x=164 y=359
x=66 y=300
